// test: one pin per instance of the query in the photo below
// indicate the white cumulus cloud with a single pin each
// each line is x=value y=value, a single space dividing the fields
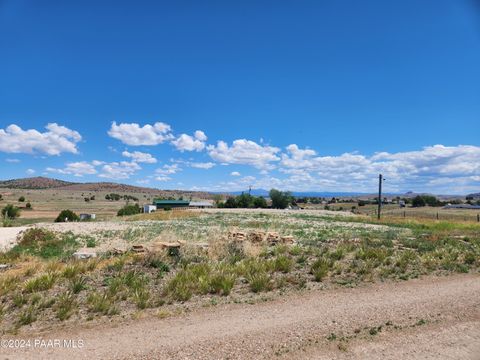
x=79 y=169
x=202 y=165
x=135 y=135
x=56 y=140
x=119 y=170
x=244 y=152
x=190 y=143
x=140 y=157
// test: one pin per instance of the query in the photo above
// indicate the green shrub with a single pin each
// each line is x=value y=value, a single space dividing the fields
x=21 y=199
x=40 y=283
x=283 y=264
x=129 y=210
x=221 y=283
x=46 y=244
x=259 y=282
x=91 y=242
x=101 y=303
x=10 y=212
x=67 y=216
x=320 y=268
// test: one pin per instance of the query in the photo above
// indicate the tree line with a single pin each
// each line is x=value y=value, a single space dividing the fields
x=279 y=200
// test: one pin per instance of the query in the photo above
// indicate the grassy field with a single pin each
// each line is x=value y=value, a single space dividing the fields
x=44 y=287
x=46 y=204
x=394 y=211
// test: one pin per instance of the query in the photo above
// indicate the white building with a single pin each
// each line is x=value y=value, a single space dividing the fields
x=147 y=209
x=200 y=204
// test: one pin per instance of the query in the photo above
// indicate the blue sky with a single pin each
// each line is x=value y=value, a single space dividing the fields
x=210 y=95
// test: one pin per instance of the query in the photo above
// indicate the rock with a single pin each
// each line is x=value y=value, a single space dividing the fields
x=256 y=237
x=273 y=237
x=85 y=253
x=139 y=248
x=237 y=236
x=203 y=246
x=4 y=266
x=287 y=239
x=116 y=251
x=166 y=245
x=172 y=248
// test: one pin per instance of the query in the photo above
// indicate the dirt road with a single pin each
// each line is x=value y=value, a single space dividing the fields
x=429 y=318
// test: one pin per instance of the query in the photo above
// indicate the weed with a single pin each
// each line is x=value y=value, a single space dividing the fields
x=221 y=282
x=77 y=284
x=332 y=337
x=101 y=303
x=141 y=298
x=19 y=300
x=27 y=316
x=41 y=283
x=65 y=306
x=91 y=242
x=259 y=282
x=282 y=263
x=319 y=269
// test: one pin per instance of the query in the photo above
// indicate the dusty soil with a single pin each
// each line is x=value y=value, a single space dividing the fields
x=428 y=318
x=8 y=236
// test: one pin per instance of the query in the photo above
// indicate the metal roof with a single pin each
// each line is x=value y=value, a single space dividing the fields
x=200 y=203
x=171 y=202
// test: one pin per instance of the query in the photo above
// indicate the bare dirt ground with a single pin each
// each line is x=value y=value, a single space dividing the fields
x=428 y=318
x=8 y=236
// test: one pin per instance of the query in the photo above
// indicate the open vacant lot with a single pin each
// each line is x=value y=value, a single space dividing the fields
x=324 y=283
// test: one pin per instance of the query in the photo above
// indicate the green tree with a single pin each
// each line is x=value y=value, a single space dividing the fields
x=10 y=212
x=129 y=210
x=418 y=201
x=260 y=202
x=66 y=216
x=231 y=203
x=218 y=199
x=280 y=199
x=244 y=201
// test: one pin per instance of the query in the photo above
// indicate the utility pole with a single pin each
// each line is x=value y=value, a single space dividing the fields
x=250 y=190
x=380 y=180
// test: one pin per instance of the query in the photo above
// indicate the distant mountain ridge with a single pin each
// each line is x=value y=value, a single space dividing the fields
x=44 y=183
x=263 y=192
x=38 y=182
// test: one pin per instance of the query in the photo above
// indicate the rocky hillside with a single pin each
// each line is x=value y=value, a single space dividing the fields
x=38 y=182
x=48 y=183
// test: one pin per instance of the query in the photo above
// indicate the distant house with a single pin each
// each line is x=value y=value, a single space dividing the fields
x=461 y=206
x=85 y=217
x=147 y=209
x=200 y=204
x=170 y=204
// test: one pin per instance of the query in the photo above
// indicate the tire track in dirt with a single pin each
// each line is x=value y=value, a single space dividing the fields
x=297 y=326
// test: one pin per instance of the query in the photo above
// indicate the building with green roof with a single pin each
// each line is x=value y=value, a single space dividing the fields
x=170 y=204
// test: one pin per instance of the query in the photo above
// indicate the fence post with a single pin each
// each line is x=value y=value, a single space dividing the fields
x=437 y=215
x=404 y=213
x=478 y=217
